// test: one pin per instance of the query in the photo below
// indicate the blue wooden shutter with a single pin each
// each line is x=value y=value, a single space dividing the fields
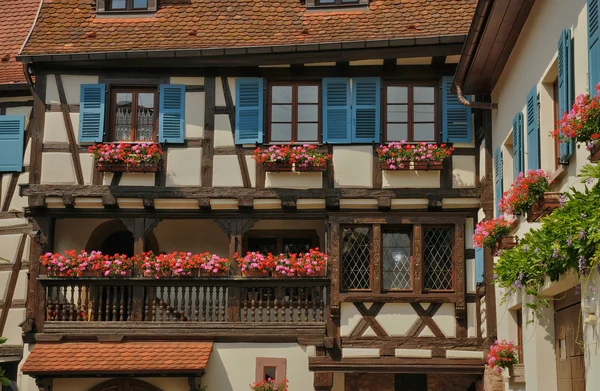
x=366 y=106
x=457 y=126
x=336 y=110
x=518 y=150
x=479 y=265
x=171 y=114
x=533 y=130
x=498 y=171
x=91 y=113
x=593 y=44
x=12 y=129
x=565 y=89
x=249 y=108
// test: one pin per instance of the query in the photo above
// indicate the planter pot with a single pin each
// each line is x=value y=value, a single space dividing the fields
x=287 y=167
x=159 y=274
x=56 y=273
x=128 y=274
x=517 y=373
x=115 y=167
x=282 y=275
x=543 y=206
x=507 y=242
x=91 y=273
x=255 y=273
x=319 y=273
x=417 y=166
x=595 y=152
x=209 y=273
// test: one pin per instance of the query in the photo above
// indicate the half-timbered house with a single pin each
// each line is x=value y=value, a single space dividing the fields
x=210 y=82
x=16 y=104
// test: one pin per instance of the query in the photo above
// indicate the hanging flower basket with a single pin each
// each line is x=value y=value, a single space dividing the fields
x=407 y=165
x=544 y=206
x=123 y=167
x=288 y=167
x=506 y=242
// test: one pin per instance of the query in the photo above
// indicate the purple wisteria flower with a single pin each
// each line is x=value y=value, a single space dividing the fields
x=525 y=248
x=518 y=284
x=563 y=200
x=583 y=216
x=592 y=288
x=570 y=240
x=581 y=234
x=582 y=265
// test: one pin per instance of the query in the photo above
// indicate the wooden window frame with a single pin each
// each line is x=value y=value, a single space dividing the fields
x=410 y=104
x=371 y=269
x=295 y=105
x=112 y=113
x=264 y=362
x=280 y=235
x=337 y=4
x=453 y=236
x=103 y=6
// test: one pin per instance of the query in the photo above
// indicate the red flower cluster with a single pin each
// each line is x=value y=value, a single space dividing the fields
x=398 y=153
x=72 y=264
x=130 y=154
x=582 y=123
x=310 y=263
x=488 y=232
x=301 y=155
x=270 y=385
x=180 y=264
x=526 y=190
x=502 y=354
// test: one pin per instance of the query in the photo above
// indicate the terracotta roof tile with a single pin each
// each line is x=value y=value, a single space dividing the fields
x=16 y=18
x=114 y=358
x=72 y=26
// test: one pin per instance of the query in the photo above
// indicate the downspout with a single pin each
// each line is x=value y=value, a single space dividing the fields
x=474 y=105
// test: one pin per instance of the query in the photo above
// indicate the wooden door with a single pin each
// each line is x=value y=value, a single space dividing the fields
x=568 y=326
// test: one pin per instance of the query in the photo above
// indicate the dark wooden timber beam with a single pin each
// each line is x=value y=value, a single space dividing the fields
x=393 y=364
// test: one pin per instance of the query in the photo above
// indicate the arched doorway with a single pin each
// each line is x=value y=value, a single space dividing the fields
x=112 y=237
x=125 y=385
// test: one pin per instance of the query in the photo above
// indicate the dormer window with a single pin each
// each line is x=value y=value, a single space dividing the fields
x=117 y=6
x=335 y=3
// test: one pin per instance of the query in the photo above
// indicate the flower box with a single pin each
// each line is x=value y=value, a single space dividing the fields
x=506 y=242
x=275 y=274
x=595 y=152
x=91 y=273
x=417 y=166
x=255 y=273
x=544 y=206
x=517 y=373
x=210 y=273
x=122 y=167
x=287 y=167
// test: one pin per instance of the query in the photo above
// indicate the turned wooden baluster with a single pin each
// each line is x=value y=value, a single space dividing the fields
x=305 y=304
x=160 y=304
x=99 y=305
x=115 y=298
x=275 y=306
x=217 y=303
x=211 y=308
x=245 y=305
x=253 y=306
x=190 y=304
x=176 y=313
x=122 y=303
x=268 y=304
x=49 y=303
x=223 y=302
x=261 y=293
x=321 y=304
x=314 y=303
x=291 y=304
x=204 y=295
x=168 y=304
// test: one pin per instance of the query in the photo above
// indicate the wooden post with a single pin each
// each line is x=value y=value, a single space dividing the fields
x=41 y=243
x=323 y=381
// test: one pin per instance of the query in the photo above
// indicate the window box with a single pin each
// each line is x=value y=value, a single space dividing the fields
x=418 y=166
x=506 y=242
x=256 y=273
x=595 y=152
x=544 y=206
x=517 y=373
x=287 y=167
x=123 y=167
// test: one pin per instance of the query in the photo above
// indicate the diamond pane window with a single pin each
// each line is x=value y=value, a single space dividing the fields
x=437 y=257
x=396 y=260
x=356 y=258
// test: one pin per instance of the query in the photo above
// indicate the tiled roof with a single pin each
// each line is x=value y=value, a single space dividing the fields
x=16 y=18
x=72 y=26
x=118 y=358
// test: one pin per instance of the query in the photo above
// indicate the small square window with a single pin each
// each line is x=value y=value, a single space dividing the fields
x=410 y=112
x=334 y=3
x=271 y=368
x=133 y=114
x=294 y=113
x=125 y=5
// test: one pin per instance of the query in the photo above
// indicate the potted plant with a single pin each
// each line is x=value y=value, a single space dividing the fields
x=488 y=233
x=407 y=156
x=503 y=355
x=286 y=266
x=286 y=158
x=254 y=264
x=181 y=264
x=547 y=202
x=90 y=264
x=525 y=192
x=152 y=266
x=312 y=264
x=211 y=265
x=270 y=385
x=124 y=157
x=58 y=265
x=118 y=265
x=582 y=123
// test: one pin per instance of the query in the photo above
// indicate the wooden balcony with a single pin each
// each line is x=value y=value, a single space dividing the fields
x=243 y=309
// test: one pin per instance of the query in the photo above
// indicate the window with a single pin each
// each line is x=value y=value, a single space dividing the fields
x=294 y=112
x=278 y=241
x=127 y=5
x=397 y=259
x=437 y=259
x=335 y=2
x=410 y=112
x=271 y=368
x=133 y=114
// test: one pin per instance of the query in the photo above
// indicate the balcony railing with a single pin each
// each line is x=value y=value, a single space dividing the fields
x=198 y=300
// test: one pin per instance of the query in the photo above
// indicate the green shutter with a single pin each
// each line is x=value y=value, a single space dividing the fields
x=336 y=110
x=366 y=106
x=533 y=130
x=565 y=89
x=91 y=113
x=518 y=150
x=171 y=117
x=12 y=130
x=498 y=173
x=456 y=123
x=249 y=108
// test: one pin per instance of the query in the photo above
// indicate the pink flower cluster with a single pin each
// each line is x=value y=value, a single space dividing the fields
x=582 y=122
x=305 y=155
x=524 y=192
x=488 y=232
x=131 y=154
x=397 y=154
x=503 y=354
x=310 y=263
x=72 y=264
